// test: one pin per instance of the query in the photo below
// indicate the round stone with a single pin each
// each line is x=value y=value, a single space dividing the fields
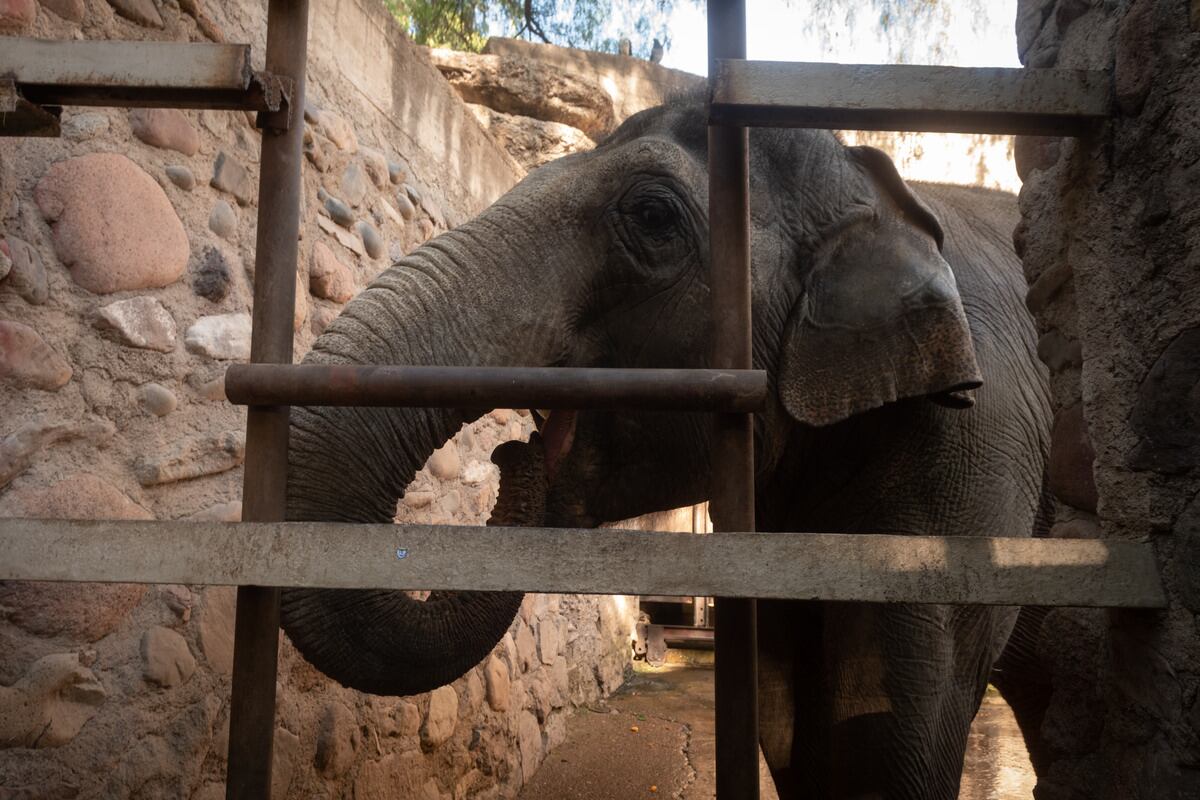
x=376 y=165
x=113 y=225
x=396 y=172
x=143 y=12
x=70 y=10
x=405 y=206
x=328 y=277
x=339 y=212
x=445 y=463
x=223 y=220
x=338 y=131
x=27 y=361
x=442 y=717
x=158 y=399
x=17 y=15
x=181 y=176
x=166 y=128
x=354 y=184
x=26 y=274
x=372 y=241
x=167 y=661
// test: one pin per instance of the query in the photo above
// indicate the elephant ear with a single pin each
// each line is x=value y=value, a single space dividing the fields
x=880 y=318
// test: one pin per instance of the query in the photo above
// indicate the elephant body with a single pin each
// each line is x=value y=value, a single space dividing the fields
x=907 y=398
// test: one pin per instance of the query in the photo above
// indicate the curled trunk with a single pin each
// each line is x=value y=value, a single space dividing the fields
x=353 y=464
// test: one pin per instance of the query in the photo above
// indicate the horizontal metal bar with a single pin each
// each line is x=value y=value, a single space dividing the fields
x=813 y=566
x=904 y=97
x=497 y=387
x=688 y=637
x=128 y=74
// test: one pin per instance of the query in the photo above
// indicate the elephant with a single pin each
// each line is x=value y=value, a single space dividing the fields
x=905 y=396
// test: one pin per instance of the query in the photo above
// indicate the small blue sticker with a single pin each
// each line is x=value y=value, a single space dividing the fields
x=401 y=552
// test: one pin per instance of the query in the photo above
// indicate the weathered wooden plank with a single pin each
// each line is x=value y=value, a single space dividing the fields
x=123 y=73
x=904 y=97
x=872 y=568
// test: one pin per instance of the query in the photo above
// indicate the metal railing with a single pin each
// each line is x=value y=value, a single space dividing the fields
x=37 y=76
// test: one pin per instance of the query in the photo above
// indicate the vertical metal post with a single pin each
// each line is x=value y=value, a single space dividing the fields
x=732 y=506
x=256 y=638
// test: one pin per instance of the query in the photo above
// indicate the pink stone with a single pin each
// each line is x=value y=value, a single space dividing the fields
x=70 y=10
x=16 y=16
x=143 y=12
x=328 y=277
x=84 y=611
x=113 y=225
x=168 y=128
x=28 y=361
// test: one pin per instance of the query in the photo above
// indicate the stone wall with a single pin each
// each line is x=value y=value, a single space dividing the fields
x=1109 y=236
x=126 y=260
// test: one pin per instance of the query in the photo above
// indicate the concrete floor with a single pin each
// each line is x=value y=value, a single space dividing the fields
x=655 y=739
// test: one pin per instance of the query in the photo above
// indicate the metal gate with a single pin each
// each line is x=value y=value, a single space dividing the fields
x=733 y=564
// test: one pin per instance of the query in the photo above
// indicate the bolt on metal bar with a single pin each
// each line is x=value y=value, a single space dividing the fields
x=256 y=636
x=732 y=496
x=496 y=387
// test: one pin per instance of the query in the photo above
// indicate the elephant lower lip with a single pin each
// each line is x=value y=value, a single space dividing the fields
x=558 y=434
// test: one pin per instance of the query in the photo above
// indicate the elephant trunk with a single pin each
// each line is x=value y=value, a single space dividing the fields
x=353 y=464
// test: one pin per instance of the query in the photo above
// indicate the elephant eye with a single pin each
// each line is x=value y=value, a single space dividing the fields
x=654 y=214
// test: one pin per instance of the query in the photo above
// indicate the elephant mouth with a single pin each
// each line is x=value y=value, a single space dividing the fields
x=524 y=484
x=557 y=429
x=529 y=495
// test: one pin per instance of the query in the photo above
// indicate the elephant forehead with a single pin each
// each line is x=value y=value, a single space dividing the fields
x=655 y=154
x=585 y=180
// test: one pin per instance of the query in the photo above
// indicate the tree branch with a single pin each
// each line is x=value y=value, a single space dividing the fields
x=532 y=24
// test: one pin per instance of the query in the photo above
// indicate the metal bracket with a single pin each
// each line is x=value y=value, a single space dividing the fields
x=272 y=96
x=19 y=117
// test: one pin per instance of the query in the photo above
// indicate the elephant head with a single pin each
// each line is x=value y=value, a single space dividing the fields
x=601 y=259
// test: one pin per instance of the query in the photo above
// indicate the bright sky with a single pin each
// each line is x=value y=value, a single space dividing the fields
x=776 y=32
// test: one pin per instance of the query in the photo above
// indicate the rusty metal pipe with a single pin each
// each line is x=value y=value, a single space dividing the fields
x=264 y=493
x=740 y=390
x=732 y=502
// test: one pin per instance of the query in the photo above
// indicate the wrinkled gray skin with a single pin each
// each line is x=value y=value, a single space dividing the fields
x=601 y=259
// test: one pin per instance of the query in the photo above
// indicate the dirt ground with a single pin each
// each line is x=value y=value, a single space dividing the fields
x=655 y=739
